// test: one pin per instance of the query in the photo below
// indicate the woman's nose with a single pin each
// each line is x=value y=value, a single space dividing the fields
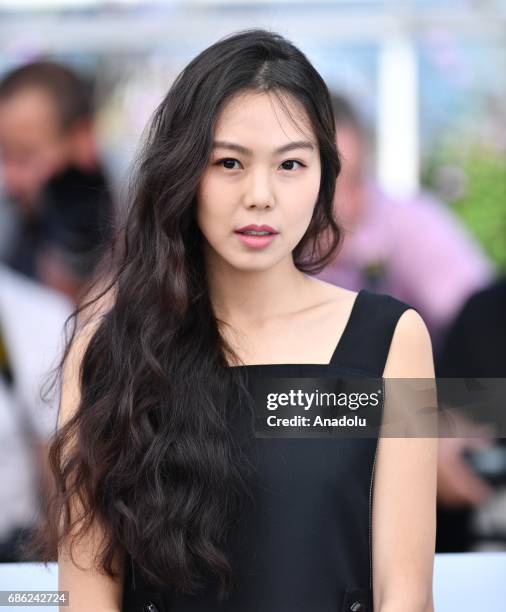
x=259 y=190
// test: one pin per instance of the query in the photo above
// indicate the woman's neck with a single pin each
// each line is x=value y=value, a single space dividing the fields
x=249 y=298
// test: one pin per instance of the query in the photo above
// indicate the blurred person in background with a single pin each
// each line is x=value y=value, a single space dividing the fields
x=415 y=250
x=55 y=188
x=31 y=331
x=472 y=507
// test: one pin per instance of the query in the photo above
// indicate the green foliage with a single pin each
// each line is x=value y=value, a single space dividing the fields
x=482 y=203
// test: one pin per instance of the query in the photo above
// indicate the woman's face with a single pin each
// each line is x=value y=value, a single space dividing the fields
x=263 y=170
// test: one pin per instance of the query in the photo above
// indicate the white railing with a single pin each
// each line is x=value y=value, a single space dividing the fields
x=464 y=582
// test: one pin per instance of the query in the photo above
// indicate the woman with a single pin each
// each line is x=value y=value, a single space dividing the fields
x=180 y=505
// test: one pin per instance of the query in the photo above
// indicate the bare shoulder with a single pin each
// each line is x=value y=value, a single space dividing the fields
x=410 y=354
x=96 y=303
x=95 y=306
x=411 y=332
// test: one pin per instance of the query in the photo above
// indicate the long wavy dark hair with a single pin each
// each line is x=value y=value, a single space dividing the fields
x=149 y=451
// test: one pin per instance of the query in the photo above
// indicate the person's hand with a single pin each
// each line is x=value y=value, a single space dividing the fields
x=458 y=485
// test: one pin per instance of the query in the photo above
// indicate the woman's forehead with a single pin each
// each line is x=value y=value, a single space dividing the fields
x=261 y=115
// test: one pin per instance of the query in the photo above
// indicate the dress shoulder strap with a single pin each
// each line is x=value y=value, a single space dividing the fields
x=366 y=340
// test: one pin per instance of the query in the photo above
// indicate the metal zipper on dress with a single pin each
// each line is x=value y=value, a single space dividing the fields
x=372 y=481
x=370 y=515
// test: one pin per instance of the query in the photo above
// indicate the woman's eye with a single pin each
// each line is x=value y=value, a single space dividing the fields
x=229 y=161
x=291 y=161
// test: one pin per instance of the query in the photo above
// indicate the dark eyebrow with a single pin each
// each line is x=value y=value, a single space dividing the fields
x=297 y=144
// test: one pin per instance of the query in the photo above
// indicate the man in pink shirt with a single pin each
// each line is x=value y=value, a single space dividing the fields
x=415 y=249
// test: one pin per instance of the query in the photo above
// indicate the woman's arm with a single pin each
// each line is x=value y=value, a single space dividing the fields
x=404 y=502
x=88 y=589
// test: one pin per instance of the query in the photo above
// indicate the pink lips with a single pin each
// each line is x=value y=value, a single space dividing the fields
x=256 y=242
x=257 y=228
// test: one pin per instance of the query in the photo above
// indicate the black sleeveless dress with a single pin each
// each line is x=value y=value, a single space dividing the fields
x=306 y=544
